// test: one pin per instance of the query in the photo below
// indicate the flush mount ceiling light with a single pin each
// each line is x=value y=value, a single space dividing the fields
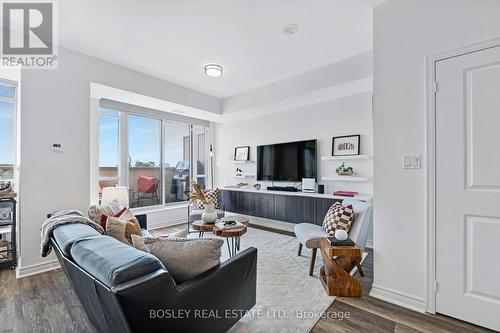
x=290 y=29
x=213 y=70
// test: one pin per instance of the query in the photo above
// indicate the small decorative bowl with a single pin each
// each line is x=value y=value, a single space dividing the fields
x=345 y=173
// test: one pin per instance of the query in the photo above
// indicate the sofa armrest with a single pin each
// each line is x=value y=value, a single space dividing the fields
x=228 y=290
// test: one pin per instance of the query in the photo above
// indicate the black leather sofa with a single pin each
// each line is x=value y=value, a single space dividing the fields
x=123 y=289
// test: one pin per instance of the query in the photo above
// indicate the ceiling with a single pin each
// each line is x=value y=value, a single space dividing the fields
x=173 y=40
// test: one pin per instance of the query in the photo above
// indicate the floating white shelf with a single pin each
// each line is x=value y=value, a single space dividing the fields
x=242 y=162
x=346 y=178
x=343 y=158
x=245 y=176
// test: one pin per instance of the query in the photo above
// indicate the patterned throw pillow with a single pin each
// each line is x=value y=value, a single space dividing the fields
x=212 y=195
x=109 y=209
x=338 y=217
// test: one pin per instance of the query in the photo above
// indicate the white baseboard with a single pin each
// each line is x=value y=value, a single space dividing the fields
x=399 y=298
x=37 y=268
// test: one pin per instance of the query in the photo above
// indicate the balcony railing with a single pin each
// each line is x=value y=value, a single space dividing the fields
x=6 y=171
x=141 y=196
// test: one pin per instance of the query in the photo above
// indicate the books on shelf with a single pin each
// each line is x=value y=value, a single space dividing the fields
x=345 y=193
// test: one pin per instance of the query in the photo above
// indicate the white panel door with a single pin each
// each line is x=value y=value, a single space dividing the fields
x=468 y=187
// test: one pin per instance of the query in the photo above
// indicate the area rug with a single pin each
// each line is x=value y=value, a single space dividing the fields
x=288 y=299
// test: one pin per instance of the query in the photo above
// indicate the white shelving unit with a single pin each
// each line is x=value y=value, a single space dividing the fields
x=242 y=162
x=245 y=176
x=346 y=178
x=344 y=158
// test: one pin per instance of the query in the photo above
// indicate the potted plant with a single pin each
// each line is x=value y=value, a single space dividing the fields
x=344 y=171
x=198 y=194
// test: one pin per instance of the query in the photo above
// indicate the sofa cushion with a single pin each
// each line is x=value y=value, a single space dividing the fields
x=112 y=262
x=104 y=218
x=122 y=229
x=184 y=258
x=146 y=233
x=67 y=234
x=309 y=234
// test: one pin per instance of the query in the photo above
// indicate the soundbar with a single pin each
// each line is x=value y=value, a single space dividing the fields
x=283 y=188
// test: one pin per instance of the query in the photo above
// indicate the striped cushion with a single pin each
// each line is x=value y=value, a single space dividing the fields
x=213 y=196
x=338 y=217
x=109 y=209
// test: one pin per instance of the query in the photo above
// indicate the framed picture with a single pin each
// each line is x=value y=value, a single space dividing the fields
x=242 y=153
x=346 y=145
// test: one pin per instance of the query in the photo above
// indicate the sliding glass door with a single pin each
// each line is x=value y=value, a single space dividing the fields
x=155 y=158
x=144 y=156
x=177 y=161
x=200 y=144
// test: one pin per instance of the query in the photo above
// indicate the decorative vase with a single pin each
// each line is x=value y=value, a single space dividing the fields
x=341 y=235
x=209 y=215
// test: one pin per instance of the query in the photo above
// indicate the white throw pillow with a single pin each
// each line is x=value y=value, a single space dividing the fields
x=184 y=258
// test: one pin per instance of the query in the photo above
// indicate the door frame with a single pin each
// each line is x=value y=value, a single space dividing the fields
x=431 y=191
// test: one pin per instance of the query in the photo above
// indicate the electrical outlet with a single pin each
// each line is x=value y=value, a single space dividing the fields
x=412 y=161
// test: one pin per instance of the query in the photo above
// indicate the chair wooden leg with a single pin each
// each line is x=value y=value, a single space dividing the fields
x=300 y=250
x=313 y=261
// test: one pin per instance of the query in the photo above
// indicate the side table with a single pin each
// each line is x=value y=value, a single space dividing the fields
x=233 y=234
x=338 y=263
x=202 y=227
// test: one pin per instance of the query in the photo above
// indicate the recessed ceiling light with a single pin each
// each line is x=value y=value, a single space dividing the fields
x=290 y=29
x=213 y=70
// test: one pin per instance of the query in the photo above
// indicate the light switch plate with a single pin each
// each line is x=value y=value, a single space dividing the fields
x=412 y=161
x=57 y=148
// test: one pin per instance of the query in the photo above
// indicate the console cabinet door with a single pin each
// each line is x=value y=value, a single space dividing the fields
x=295 y=209
x=225 y=197
x=263 y=205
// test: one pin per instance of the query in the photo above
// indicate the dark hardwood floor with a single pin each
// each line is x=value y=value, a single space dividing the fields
x=368 y=314
x=46 y=303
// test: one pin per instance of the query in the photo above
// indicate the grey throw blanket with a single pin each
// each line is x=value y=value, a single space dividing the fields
x=61 y=218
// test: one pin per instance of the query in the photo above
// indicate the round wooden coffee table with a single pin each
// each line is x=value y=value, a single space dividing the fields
x=234 y=235
x=202 y=227
x=238 y=218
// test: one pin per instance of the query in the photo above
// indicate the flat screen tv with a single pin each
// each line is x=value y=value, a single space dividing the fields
x=290 y=161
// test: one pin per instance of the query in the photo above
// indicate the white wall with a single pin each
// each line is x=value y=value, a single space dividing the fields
x=345 y=116
x=56 y=109
x=321 y=79
x=405 y=32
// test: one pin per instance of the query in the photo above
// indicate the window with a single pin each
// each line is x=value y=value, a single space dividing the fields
x=152 y=156
x=144 y=169
x=176 y=161
x=7 y=130
x=200 y=155
x=109 y=126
